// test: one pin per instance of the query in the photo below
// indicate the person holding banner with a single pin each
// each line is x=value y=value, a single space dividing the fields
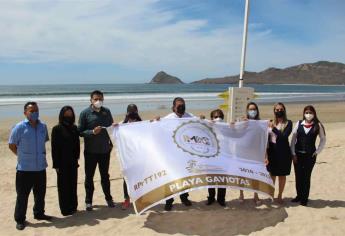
x=131 y=116
x=252 y=113
x=279 y=153
x=216 y=116
x=179 y=111
x=304 y=151
x=92 y=123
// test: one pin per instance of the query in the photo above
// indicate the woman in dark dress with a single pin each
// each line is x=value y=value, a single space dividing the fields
x=279 y=153
x=65 y=146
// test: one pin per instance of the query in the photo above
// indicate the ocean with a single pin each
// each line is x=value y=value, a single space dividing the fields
x=151 y=96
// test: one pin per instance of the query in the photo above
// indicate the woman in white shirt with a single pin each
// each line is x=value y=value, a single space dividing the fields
x=305 y=152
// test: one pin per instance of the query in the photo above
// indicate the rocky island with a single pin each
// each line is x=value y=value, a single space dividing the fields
x=164 y=78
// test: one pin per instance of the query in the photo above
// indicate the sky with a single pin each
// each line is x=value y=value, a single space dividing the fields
x=129 y=41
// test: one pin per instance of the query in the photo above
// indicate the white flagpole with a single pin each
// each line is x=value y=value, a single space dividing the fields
x=244 y=44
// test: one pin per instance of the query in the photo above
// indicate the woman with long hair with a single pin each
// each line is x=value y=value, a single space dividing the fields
x=305 y=152
x=279 y=153
x=252 y=113
x=132 y=115
x=65 y=148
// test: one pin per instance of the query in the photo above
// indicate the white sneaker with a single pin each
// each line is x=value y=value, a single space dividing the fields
x=88 y=206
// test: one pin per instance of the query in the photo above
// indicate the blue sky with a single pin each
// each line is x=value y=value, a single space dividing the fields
x=122 y=41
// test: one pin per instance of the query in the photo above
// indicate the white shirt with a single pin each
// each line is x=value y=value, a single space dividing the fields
x=174 y=116
x=322 y=137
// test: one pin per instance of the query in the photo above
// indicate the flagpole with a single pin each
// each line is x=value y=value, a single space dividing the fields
x=244 y=44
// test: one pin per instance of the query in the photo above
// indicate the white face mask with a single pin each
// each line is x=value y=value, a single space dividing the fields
x=218 y=119
x=309 y=117
x=98 y=104
x=252 y=114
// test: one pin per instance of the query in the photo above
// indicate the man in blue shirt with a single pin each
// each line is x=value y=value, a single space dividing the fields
x=27 y=141
x=97 y=146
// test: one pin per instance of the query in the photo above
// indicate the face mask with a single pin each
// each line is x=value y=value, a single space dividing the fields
x=218 y=119
x=68 y=120
x=252 y=114
x=181 y=109
x=279 y=114
x=33 y=116
x=309 y=117
x=98 y=104
x=133 y=116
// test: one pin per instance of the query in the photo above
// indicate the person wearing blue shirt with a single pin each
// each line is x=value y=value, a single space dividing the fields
x=27 y=141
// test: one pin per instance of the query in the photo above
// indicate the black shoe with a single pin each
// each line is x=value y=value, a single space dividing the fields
x=20 y=225
x=304 y=203
x=111 y=203
x=67 y=213
x=210 y=201
x=43 y=217
x=222 y=203
x=168 y=206
x=296 y=199
x=186 y=202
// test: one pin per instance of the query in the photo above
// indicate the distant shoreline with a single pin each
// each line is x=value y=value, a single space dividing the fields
x=191 y=83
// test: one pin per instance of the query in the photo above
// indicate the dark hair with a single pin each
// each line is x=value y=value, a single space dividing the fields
x=315 y=119
x=96 y=92
x=29 y=104
x=134 y=115
x=178 y=99
x=62 y=112
x=132 y=109
x=257 y=117
x=217 y=111
x=275 y=117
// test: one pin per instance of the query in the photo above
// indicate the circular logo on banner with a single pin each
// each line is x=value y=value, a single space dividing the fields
x=197 y=139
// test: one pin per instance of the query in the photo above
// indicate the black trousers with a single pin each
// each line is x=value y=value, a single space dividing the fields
x=25 y=181
x=67 y=189
x=91 y=161
x=183 y=197
x=125 y=191
x=303 y=169
x=220 y=194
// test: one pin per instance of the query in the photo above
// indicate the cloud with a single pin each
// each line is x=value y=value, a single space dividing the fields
x=142 y=35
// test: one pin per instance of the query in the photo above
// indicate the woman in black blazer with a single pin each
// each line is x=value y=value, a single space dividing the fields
x=65 y=147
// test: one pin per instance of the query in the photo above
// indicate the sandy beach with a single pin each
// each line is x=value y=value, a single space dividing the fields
x=325 y=214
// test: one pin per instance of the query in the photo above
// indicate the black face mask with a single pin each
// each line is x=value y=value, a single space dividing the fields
x=279 y=114
x=68 y=120
x=181 y=109
x=133 y=115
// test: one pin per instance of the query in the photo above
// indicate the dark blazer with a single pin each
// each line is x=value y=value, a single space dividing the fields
x=65 y=146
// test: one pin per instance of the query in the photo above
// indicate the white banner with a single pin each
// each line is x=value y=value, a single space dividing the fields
x=165 y=158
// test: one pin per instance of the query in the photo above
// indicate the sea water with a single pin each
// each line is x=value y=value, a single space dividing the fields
x=151 y=96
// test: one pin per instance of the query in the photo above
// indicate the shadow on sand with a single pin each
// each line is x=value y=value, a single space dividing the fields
x=204 y=220
x=234 y=219
x=83 y=217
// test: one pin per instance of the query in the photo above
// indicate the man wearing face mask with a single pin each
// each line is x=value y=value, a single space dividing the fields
x=27 y=142
x=92 y=123
x=179 y=111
